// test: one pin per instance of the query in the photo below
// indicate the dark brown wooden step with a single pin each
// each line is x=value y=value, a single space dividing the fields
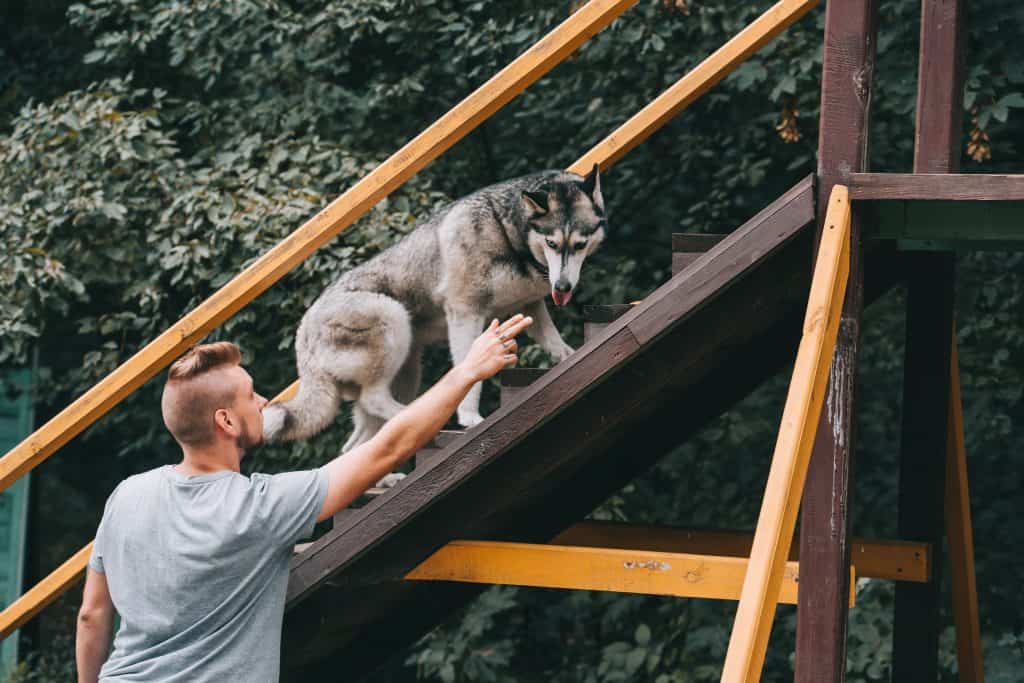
x=514 y=380
x=596 y=318
x=688 y=247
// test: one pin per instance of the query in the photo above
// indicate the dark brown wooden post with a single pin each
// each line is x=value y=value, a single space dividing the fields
x=929 y=321
x=847 y=74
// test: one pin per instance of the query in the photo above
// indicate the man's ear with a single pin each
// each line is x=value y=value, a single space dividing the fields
x=535 y=203
x=222 y=418
x=592 y=186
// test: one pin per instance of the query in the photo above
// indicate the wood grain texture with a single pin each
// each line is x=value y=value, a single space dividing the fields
x=847 y=80
x=777 y=519
x=936 y=186
x=316 y=232
x=647 y=572
x=877 y=559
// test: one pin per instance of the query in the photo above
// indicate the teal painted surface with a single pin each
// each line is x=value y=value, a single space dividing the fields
x=15 y=425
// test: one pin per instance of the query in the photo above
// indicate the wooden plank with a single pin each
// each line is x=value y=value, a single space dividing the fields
x=44 y=592
x=930 y=295
x=604 y=569
x=875 y=559
x=846 y=84
x=960 y=535
x=316 y=232
x=689 y=242
x=937 y=186
x=740 y=254
x=702 y=78
x=777 y=519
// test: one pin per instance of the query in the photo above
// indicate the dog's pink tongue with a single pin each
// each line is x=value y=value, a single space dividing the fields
x=561 y=298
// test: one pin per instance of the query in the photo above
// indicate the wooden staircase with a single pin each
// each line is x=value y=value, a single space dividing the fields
x=648 y=376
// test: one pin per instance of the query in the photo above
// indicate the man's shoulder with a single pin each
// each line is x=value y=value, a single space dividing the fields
x=142 y=481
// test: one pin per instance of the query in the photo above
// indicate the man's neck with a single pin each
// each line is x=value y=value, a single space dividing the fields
x=209 y=460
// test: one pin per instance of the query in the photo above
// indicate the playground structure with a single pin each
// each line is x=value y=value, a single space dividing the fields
x=502 y=503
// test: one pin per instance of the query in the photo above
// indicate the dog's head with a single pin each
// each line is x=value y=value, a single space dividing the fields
x=567 y=221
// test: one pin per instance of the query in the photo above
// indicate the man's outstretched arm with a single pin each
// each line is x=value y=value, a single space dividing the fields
x=95 y=620
x=351 y=474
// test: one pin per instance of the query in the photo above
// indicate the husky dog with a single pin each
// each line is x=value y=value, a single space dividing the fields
x=492 y=253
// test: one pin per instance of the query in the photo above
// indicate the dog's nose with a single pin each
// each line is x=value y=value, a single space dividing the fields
x=562 y=286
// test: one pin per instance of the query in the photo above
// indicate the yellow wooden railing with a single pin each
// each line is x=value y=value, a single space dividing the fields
x=777 y=520
x=350 y=206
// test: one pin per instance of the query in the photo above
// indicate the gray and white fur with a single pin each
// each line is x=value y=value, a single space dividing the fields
x=491 y=254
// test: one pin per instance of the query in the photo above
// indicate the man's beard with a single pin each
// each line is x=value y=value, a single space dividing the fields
x=246 y=441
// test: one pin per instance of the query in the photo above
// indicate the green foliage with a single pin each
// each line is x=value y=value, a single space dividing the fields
x=150 y=151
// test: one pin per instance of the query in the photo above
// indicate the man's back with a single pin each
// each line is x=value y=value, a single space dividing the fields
x=197 y=567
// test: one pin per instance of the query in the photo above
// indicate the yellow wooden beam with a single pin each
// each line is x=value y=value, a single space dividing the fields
x=777 y=520
x=875 y=559
x=970 y=657
x=687 y=89
x=602 y=569
x=338 y=215
x=44 y=592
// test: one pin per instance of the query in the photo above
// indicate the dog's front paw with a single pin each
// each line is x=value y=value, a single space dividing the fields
x=389 y=480
x=470 y=420
x=562 y=352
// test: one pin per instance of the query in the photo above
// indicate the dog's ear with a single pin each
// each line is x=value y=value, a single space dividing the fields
x=592 y=186
x=535 y=203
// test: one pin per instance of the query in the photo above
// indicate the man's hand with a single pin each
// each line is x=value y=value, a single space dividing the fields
x=354 y=472
x=495 y=349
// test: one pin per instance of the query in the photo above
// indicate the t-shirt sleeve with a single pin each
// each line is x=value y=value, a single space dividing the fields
x=291 y=502
x=99 y=544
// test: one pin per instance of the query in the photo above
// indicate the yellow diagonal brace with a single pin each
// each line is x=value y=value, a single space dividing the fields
x=777 y=519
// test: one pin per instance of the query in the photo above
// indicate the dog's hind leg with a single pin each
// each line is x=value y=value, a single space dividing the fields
x=463 y=329
x=406 y=384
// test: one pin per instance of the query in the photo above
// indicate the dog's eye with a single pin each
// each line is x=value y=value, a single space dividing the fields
x=579 y=246
x=552 y=244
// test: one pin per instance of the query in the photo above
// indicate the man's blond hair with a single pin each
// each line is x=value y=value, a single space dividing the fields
x=195 y=391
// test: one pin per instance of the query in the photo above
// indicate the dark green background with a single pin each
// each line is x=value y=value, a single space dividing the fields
x=151 y=149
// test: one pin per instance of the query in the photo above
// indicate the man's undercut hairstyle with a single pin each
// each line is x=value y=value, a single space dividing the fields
x=195 y=391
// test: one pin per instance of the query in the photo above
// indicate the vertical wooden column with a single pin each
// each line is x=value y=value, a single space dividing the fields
x=847 y=74
x=926 y=385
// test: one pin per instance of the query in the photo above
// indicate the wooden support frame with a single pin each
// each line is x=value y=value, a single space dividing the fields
x=604 y=569
x=337 y=216
x=846 y=84
x=959 y=532
x=589 y=20
x=936 y=186
x=926 y=385
x=875 y=559
x=777 y=519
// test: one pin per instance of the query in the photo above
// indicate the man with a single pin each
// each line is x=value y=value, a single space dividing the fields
x=194 y=557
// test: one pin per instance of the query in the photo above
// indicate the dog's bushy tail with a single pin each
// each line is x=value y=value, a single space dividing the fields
x=313 y=408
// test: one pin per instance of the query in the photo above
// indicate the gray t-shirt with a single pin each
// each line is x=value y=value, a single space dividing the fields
x=197 y=568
